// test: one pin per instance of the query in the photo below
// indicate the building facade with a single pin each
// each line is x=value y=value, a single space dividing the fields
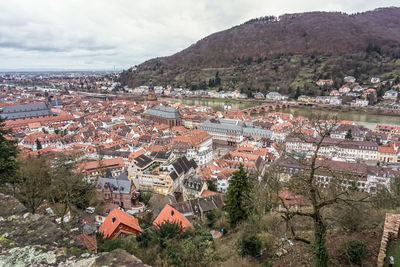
x=164 y=115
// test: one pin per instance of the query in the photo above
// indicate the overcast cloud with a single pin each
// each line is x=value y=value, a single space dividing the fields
x=101 y=34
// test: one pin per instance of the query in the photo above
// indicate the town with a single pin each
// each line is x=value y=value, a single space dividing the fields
x=139 y=146
x=200 y=133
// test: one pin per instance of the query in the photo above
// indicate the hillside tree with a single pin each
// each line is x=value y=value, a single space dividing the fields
x=33 y=182
x=8 y=155
x=306 y=184
x=38 y=144
x=238 y=197
x=69 y=189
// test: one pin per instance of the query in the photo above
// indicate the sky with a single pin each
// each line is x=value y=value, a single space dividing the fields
x=103 y=34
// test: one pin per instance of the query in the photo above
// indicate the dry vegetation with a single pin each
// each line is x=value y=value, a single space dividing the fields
x=270 y=54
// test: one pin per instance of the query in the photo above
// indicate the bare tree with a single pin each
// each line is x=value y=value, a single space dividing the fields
x=33 y=182
x=309 y=180
x=69 y=189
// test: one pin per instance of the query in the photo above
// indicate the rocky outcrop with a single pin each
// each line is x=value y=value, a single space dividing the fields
x=34 y=240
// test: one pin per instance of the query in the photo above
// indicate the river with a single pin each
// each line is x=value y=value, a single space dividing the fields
x=365 y=119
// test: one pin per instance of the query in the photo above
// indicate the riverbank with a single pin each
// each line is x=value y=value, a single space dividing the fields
x=374 y=110
x=361 y=117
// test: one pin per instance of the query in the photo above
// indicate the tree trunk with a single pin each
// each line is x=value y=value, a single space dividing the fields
x=319 y=245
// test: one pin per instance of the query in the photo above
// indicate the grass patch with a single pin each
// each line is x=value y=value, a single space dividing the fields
x=393 y=249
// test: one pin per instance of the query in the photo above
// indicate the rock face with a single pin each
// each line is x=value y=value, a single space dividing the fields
x=30 y=240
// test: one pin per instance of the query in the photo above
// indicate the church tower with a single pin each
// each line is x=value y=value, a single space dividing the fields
x=151 y=95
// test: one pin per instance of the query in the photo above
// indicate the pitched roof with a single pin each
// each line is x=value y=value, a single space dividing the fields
x=207 y=193
x=142 y=161
x=108 y=226
x=105 y=163
x=119 y=185
x=170 y=214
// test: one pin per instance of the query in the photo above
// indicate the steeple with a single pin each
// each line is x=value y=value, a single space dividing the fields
x=151 y=95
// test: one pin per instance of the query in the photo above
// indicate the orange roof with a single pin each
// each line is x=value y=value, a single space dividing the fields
x=106 y=163
x=290 y=198
x=108 y=226
x=207 y=193
x=170 y=214
x=386 y=149
x=34 y=125
x=90 y=242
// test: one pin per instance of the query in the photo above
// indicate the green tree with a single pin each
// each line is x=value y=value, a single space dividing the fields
x=349 y=135
x=297 y=94
x=8 y=155
x=217 y=80
x=355 y=251
x=166 y=231
x=211 y=185
x=249 y=244
x=38 y=144
x=238 y=197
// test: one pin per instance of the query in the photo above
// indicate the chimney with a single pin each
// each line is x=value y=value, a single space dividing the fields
x=113 y=219
x=172 y=213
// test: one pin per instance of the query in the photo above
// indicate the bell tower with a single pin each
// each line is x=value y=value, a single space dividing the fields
x=151 y=95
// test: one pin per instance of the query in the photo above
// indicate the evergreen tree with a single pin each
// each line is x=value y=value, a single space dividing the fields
x=217 y=79
x=297 y=94
x=38 y=145
x=238 y=197
x=8 y=154
x=349 y=135
x=211 y=83
x=211 y=185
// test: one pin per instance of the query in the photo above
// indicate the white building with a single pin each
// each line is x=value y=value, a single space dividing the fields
x=391 y=95
x=275 y=96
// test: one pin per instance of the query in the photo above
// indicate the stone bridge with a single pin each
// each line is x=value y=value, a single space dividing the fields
x=267 y=107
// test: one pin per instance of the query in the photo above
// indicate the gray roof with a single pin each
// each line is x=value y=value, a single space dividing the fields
x=194 y=183
x=160 y=155
x=142 y=161
x=119 y=185
x=164 y=112
x=183 y=165
x=237 y=126
x=26 y=111
x=223 y=125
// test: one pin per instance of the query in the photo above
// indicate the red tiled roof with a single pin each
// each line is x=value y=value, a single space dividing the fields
x=108 y=226
x=170 y=214
x=386 y=149
x=114 y=162
x=207 y=193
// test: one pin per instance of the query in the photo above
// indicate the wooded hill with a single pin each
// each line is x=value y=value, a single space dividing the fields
x=283 y=53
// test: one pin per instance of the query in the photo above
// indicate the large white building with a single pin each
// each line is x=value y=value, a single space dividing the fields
x=162 y=175
x=230 y=131
x=335 y=148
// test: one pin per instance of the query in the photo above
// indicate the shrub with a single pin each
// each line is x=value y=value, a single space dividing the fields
x=167 y=231
x=145 y=197
x=351 y=219
x=145 y=239
x=355 y=250
x=211 y=219
x=268 y=242
x=249 y=244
